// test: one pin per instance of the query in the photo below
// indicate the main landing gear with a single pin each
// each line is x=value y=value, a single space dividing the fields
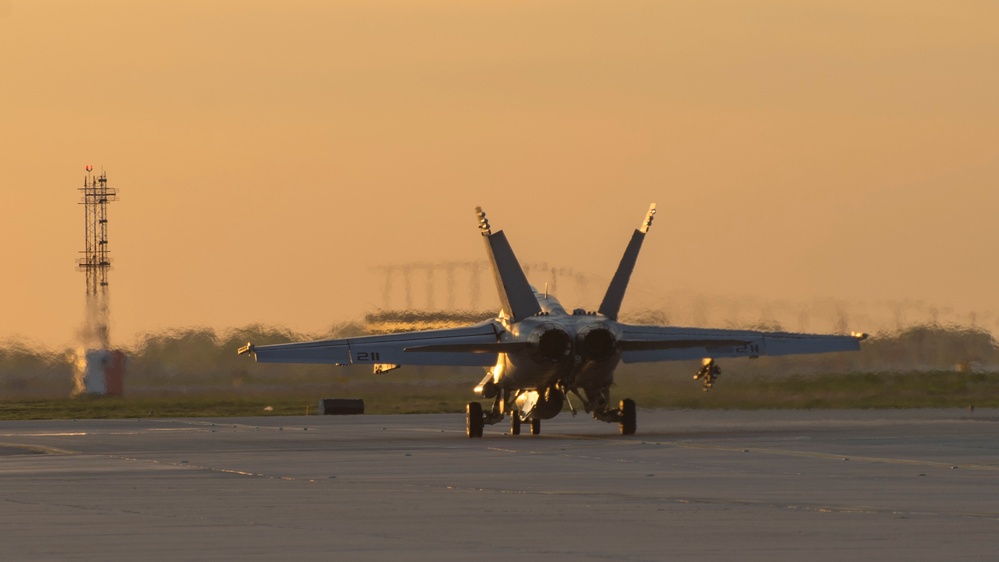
x=625 y=415
x=475 y=419
x=629 y=415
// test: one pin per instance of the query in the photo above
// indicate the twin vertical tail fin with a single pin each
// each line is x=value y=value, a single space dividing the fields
x=611 y=305
x=515 y=293
x=517 y=296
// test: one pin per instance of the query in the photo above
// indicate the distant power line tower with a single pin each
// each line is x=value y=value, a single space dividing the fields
x=96 y=260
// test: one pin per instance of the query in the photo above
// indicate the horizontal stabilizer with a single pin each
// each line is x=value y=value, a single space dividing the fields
x=504 y=347
x=651 y=345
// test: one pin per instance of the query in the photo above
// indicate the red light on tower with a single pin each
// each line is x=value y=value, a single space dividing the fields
x=88 y=168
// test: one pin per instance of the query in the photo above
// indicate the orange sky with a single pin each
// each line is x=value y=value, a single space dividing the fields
x=270 y=154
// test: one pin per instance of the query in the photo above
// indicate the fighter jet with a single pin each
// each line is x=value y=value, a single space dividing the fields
x=538 y=356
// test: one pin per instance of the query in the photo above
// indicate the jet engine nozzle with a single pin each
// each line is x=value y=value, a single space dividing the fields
x=554 y=344
x=597 y=344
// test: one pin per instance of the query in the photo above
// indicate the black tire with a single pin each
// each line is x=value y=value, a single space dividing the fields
x=515 y=423
x=535 y=427
x=629 y=422
x=473 y=419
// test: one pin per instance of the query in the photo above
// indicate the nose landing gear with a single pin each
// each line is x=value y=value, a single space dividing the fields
x=514 y=423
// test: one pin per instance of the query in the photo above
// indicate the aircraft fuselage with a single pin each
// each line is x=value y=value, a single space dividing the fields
x=567 y=351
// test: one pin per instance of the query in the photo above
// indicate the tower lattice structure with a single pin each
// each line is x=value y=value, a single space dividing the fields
x=96 y=260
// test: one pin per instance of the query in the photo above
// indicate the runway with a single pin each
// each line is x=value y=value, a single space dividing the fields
x=691 y=485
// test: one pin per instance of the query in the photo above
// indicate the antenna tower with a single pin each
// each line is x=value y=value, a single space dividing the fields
x=95 y=261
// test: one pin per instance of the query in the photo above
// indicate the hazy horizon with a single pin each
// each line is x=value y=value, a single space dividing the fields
x=271 y=157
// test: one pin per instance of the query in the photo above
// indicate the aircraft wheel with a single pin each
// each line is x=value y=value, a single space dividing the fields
x=515 y=423
x=473 y=419
x=628 y=417
x=535 y=427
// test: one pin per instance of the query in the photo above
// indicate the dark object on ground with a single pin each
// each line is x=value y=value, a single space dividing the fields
x=341 y=406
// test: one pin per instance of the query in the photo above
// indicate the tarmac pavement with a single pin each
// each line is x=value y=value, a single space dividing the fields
x=690 y=485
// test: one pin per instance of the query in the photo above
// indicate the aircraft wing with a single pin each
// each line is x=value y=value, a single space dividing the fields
x=475 y=345
x=662 y=343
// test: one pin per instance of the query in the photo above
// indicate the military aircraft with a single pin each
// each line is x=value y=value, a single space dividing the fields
x=538 y=356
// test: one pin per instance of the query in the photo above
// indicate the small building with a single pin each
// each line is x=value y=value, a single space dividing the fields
x=104 y=374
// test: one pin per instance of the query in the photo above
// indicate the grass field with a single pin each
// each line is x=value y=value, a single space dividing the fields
x=865 y=390
x=196 y=372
